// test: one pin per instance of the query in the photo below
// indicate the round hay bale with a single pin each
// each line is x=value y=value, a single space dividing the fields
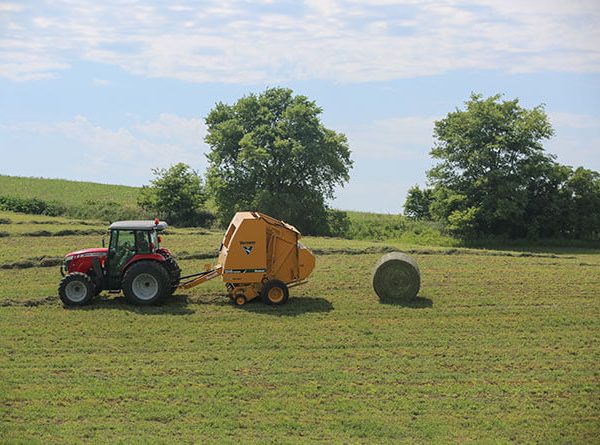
x=396 y=277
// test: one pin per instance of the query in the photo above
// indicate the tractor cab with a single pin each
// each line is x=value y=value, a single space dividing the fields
x=134 y=262
x=130 y=240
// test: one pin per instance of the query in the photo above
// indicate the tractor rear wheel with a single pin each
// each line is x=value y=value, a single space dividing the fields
x=76 y=289
x=174 y=273
x=275 y=292
x=146 y=282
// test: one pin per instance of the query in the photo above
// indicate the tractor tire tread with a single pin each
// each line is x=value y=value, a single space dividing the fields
x=174 y=272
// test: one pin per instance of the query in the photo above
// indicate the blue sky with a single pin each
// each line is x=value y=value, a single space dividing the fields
x=105 y=91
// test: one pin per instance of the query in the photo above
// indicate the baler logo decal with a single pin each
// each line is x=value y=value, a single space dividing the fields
x=248 y=249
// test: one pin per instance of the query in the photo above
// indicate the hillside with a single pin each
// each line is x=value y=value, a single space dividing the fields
x=71 y=193
x=89 y=200
x=76 y=199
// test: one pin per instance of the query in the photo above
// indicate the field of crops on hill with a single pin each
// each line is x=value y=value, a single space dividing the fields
x=500 y=347
x=67 y=192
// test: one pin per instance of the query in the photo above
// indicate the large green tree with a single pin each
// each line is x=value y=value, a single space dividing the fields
x=491 y=160
x=177 y=195
x=270 y=152
x=494 y=177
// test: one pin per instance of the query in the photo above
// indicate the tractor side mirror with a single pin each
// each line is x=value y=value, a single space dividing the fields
x=103 y=242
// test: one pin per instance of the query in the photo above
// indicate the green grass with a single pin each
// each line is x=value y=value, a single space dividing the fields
x=83 y=200
x=381 y=227
x=499 y=348
x=73 y=193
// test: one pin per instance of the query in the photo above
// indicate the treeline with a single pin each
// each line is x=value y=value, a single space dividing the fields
x=494 y=179
x=270 y=152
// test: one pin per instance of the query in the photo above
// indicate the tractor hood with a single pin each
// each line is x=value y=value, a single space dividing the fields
x=98 y=251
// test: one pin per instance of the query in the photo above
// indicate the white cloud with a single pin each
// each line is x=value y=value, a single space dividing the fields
x=574 y=120
x=100 y=82
x=577 y=140
x=11 y=7
x=344 y=40
x=127 y=153
x=397 y=138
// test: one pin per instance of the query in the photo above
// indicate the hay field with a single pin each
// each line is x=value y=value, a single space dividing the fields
x=500 y=347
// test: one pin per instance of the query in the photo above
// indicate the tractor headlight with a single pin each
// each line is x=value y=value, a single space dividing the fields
x=65 y=265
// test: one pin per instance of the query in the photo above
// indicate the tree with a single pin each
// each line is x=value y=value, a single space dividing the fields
x=491 y=161
x=271 y=153
x=177 y=195
x=583 y=189
x=418 y=202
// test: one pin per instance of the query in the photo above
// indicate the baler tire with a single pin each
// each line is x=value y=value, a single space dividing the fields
x=240 y=300
x=268 y=289
x=149 y=273
x=73 y=294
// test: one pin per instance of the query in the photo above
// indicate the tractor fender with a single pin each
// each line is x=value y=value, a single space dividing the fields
x=143 y=257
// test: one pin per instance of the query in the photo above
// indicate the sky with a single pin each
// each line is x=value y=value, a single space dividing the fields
x=107 y=91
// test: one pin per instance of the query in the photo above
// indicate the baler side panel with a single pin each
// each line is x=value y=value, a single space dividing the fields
x=283 y=255
x=245 y=258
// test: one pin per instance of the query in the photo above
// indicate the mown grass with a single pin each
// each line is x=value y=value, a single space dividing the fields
x=497 y=349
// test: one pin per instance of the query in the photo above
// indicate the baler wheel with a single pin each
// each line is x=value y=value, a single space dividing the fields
x=275 y=292
x=76 y=289
x=240 y=300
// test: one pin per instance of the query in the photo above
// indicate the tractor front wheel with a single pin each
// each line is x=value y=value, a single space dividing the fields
x=275 y=292
x=76 y=289
x=146 y=282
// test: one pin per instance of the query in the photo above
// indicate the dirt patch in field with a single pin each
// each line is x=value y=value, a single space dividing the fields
x=67 y=232
x=33 y=262
x=197 y=255
x=34 y=302
x=388 y=249
x=47 y=222
x=58 y=223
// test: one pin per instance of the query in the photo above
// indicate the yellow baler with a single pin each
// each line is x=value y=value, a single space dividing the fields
x=262 y=256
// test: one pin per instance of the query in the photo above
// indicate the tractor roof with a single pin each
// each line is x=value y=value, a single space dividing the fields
x=138 y=225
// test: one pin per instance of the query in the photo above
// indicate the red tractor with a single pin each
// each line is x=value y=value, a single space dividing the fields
x=134 y=263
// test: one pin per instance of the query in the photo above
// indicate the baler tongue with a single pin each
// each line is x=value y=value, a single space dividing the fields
x=201 y=278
